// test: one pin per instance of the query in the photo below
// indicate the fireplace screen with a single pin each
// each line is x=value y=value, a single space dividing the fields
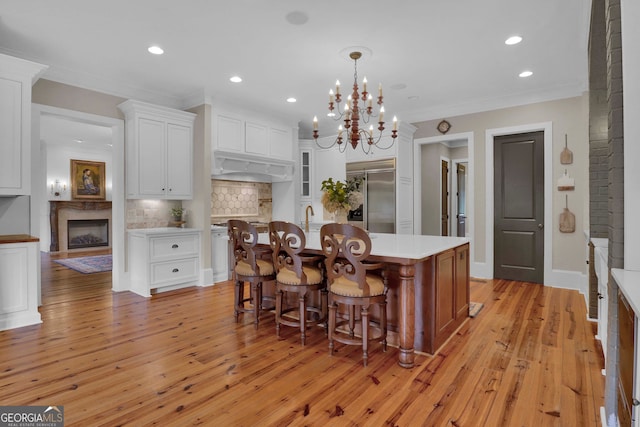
x=87 y=233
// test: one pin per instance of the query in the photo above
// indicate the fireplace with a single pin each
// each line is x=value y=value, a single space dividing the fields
x=87 y=233
x=63 y=211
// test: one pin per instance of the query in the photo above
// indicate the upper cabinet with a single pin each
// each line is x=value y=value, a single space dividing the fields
x=16 y=78
x=246 y=143
x=159 y=151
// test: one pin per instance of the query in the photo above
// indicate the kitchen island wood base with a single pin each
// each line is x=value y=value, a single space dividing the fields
x=428 y=296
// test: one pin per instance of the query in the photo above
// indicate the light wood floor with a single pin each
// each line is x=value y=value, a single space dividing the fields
x=179 y=359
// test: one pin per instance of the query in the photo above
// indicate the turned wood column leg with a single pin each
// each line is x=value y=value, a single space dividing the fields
x=406 y=328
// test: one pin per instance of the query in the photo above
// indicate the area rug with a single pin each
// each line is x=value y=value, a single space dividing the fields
x=474 y=308
x=88 y=264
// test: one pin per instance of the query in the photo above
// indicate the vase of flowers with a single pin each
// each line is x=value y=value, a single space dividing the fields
x=339 y=197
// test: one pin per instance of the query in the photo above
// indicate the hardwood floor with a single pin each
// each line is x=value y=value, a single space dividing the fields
x=528 y=359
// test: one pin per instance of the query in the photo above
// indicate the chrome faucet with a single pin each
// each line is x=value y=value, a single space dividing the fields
x=306 y=217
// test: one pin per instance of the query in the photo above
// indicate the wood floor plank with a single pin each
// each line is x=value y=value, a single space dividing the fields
x=179 y=358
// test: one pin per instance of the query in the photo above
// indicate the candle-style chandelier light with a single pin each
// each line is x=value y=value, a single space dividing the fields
x=355 y=117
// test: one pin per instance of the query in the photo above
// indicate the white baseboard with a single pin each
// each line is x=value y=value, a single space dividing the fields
x=206 y=277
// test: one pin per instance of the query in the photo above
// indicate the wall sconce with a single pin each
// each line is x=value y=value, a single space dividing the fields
x=58 y=188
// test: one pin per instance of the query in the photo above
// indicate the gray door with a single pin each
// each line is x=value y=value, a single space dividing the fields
x=519 y=207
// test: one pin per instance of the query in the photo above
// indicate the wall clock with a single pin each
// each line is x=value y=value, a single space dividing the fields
x=444 y=126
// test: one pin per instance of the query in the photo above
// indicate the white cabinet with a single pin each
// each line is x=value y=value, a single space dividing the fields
x=159 y=151
x=19 y=267
x=163 y=259
x=220 y=254
x=16 y=78
x=243 y=132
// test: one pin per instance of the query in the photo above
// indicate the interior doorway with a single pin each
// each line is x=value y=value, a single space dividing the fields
x=40 y=195
x=459 y=220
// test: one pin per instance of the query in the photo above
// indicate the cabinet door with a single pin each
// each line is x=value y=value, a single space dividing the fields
x=229 y=133
x=11 y=173
x=445 y=311
x=305 y=174
x=220 y=256
x=462 y=281
x=280 y=143
x=256 y=141
x=179 y=162
x=151 y=170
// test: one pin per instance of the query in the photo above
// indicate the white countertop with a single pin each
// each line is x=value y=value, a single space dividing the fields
x=161 y=230
x=411 y=246
x=629 y=283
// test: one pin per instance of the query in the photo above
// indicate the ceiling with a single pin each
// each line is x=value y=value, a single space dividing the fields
x=435 y=59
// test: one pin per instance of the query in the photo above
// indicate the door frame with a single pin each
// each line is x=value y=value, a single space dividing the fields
x=117 y=185
x=547 y=128
x=417 y=187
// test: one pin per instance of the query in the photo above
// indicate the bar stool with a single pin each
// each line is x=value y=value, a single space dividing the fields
x=296 y=273
x=352 y=284
x=253 y=265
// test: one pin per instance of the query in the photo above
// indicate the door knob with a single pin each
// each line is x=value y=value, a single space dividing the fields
x=540 y=226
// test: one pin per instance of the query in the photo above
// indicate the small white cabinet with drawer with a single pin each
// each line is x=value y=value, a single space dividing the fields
x=163 y=259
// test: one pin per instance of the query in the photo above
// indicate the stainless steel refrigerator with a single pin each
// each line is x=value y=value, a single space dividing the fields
x=378 y=211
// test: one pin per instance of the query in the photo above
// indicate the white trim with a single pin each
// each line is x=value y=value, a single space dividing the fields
x=547 y=128
x=117 y=192
x=475 y=268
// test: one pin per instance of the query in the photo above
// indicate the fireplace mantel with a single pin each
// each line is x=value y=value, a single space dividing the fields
x=56 y=205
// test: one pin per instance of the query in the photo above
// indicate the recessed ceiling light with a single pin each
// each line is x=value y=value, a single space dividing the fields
x=236 y=79
x=156 y=50
x=297 y=17
x=513 y=40
x=291 y=99
x=526 y=73
x=79 y=141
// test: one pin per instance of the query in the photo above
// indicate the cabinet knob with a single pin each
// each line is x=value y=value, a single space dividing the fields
x=163 y=189
x=635 y=402
x=175 y=270
x=171 y=189
x=174 y=246
x=600 y=296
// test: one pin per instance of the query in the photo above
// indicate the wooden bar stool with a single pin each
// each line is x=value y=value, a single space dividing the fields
x=253 y=265
x=352 y=284
x=296 y=273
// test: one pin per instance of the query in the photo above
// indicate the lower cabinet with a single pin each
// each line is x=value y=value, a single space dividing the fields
x=451 y=291
x=162 y=259
x=19 y=267
x=220 y=255
x=443 y=304
x=626 y=329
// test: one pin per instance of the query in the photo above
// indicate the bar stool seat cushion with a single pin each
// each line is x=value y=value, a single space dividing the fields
x=244 y=269
x=348 y=288
x=288 y=277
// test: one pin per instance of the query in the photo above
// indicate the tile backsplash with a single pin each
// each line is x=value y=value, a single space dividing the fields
x=240 y=200
x=149 y=213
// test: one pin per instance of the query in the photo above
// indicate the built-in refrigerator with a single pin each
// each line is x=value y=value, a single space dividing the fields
x=377 y=213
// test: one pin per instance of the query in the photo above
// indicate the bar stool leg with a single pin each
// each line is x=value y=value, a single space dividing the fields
x=302 y=303
x=257 y=303
x=239 y=296
x=279 y=295
x=332 y=325
x=365 y=334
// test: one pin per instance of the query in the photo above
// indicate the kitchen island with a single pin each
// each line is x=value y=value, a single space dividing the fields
x=428 y=297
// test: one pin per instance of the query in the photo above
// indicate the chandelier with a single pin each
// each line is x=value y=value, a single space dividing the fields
x=352 y=114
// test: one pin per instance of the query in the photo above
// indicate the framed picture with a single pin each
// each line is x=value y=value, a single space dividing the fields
x=87 y=180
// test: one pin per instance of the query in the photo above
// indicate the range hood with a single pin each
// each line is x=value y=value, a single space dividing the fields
x=247 y=167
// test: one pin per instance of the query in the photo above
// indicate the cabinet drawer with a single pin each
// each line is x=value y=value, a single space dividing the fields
x=173 y=272
x=173 y=246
